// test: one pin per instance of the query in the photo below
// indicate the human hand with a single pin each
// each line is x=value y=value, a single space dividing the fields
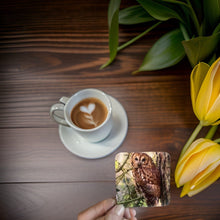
x=107 y=210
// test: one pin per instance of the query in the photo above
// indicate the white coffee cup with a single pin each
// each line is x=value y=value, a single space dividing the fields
x=61 y=113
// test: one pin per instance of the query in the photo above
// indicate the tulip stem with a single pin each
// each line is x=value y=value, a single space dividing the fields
x=217 y=140
x=211 y=132
x=191 y=139
x=194 y=17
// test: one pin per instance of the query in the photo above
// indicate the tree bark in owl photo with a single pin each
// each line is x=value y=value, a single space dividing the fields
x=163 y=162
x=142 y=179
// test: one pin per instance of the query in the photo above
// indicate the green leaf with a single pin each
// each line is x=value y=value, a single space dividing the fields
x=187 y=13
x=199 y=48
x=217 y=29
x=212 y=59
x=159 y=9
x=113 y=13
x=112 y=9
x=166 y=52
x=197 y=6
x=134 y=15
x=211 y=10
x=139 y=36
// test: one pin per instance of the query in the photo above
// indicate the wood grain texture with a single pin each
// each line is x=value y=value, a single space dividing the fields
x=65 y=200
x=53 y=48
x=157 y=103
x=37 y=155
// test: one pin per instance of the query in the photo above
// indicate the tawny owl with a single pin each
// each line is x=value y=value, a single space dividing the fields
x=147 y=177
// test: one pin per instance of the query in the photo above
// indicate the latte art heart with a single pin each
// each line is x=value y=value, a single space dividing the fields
x=88 y=116
x=89 y=109
x=89 y=113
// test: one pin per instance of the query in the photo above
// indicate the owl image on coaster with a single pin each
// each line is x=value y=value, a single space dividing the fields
x=142 y=179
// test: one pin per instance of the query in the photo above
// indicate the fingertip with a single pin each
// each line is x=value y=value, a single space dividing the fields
x=119 y=210
x=109 y=203
x=127 y=213
x=132 y=212
x=116 y=213
x=112 y=201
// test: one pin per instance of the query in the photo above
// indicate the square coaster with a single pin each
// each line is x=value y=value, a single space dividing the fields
x=142 y=179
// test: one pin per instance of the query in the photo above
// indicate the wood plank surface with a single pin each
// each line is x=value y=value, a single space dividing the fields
x=37 y=154
x=28 y=104
x=31 y=155
x=65 y=200
x=53 y=48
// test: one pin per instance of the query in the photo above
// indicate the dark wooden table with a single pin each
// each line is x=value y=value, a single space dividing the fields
x=50 y=49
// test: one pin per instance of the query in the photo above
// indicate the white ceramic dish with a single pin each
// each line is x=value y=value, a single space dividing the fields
x=82 y=148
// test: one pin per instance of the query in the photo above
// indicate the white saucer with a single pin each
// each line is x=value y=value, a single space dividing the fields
x=82 y=148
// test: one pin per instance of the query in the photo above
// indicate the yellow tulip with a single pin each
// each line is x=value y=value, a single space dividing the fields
x=205 y=92
x=199 y=166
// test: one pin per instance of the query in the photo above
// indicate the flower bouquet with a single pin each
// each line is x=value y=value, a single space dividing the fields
x=199 y=162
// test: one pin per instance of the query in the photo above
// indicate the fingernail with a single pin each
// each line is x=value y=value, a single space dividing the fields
x=109 y=203
x=133 y=212
x=127 y=213
x=112 y=201
x=119 y=210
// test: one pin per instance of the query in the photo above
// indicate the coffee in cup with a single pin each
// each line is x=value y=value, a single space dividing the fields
x=88 y=112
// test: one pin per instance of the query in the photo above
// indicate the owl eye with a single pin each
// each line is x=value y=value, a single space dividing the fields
x=143 y=160
x=136 y=158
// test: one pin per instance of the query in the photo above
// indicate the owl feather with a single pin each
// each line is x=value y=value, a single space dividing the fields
x=147 y=177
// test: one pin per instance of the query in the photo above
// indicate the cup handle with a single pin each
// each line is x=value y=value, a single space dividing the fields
x=59 y=107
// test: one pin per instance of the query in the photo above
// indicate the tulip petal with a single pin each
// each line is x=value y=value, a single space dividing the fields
x=214 y=107
x=197 y=146
x=212 y=156
x=196 y=78
x=198 y=162
x=185 y=190
x=203 y=98
x=191 y=168
x=204 y=174
x=215 y=72
x=208 y=92
x=207 y=182
x=213 y=116
x=217 y=122
x=182 y=161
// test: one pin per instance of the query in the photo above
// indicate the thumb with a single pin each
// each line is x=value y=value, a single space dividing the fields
x=116 y=213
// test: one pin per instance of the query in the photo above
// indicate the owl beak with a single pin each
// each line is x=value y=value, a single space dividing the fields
x=139 y=164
